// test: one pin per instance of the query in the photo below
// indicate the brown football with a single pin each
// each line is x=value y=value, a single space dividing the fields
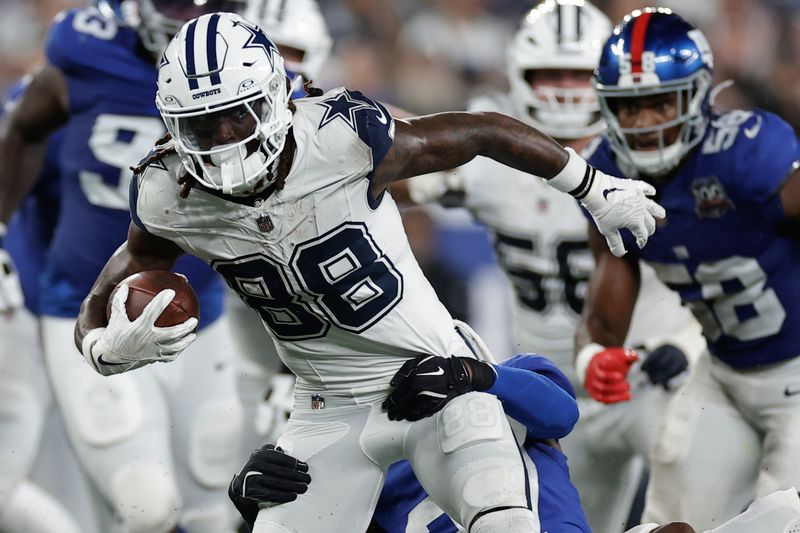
x=144 y=286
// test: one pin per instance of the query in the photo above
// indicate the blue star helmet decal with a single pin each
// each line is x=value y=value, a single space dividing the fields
x=259 y=39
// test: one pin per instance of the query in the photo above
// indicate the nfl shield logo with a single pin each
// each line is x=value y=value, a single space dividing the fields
x=265 y=223
x=317 y=401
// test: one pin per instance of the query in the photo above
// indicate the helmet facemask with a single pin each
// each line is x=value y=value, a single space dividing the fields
x=231 y=147
x=561 y=112
x=692 y=117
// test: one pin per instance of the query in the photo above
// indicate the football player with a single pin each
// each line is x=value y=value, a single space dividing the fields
x=727 y=246
x=541 y=243
x=286 y=200
x=99 y=84
x=533 y=391
x=24 y=506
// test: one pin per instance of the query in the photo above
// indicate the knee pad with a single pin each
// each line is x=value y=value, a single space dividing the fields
x=486 y=466
x=513 y=520
x=104 y=410
x=214 y=444
x=145 y=499
x=470 y=419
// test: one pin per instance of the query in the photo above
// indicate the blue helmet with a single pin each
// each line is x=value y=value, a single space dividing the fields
x=654 y=51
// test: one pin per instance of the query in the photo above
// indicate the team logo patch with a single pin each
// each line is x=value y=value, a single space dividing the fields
x=711 y=200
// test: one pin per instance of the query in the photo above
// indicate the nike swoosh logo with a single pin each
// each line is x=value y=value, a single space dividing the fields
x=438 y=372
x=609 y=191
x=382 y=117
x=106 y=363
x=790 y=392
x=753 y=130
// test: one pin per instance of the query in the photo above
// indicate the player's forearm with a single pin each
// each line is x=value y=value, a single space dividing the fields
x=544 y=408
x=20 y=166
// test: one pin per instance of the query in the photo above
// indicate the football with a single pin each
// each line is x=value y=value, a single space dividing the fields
x=144 y=286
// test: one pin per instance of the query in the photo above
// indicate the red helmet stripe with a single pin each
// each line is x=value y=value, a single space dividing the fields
x=637 y=41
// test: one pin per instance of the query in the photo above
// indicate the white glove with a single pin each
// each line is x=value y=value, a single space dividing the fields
x=614 y=203
x=124 y=345
x=10 y=290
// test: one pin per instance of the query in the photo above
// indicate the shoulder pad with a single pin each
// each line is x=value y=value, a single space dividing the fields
x=369 y=119
x=85 y=39
x=738 y=127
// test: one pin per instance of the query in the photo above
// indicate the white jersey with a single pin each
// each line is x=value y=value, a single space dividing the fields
x=330 y=272
x=540 y=236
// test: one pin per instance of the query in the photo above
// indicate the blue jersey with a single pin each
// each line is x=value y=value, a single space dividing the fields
x=404 y=505
x=113 y=123
x=719 y=246
x=31 y=228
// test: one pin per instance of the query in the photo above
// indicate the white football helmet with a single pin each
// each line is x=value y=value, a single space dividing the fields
x=222 y=91
x=297 y=24
x=558 y=34
x=158 y=20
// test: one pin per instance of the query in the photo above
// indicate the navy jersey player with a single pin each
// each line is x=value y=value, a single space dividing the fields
x=99 y=83
x=285 y=199
x=532 y=389
x=727 y=245
x=24 y=506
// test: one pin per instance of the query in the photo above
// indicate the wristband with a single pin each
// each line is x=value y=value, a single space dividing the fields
x=583 y=359
x=576 y=178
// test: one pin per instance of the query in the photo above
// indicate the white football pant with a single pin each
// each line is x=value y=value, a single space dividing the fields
x=159 y=443
x=728 y=436
x=24 y=403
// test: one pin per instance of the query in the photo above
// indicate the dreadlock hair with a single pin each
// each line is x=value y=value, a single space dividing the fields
x=310 y=90
x=160 y=152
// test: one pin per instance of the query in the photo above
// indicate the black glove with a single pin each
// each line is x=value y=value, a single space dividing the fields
x=269 y=477
x=424 y=385
x=664 y=363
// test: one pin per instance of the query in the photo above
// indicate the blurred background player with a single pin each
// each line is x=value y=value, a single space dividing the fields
x=26 y=399
x=540 y=239
x=150 y=441
x=728 y=246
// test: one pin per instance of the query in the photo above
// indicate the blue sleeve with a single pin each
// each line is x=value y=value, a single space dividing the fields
x=766 y=149
x=536 y=393
x=764 y=156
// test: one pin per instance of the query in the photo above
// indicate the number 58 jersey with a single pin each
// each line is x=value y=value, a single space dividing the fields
x=328 y=269
x=721 y=246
